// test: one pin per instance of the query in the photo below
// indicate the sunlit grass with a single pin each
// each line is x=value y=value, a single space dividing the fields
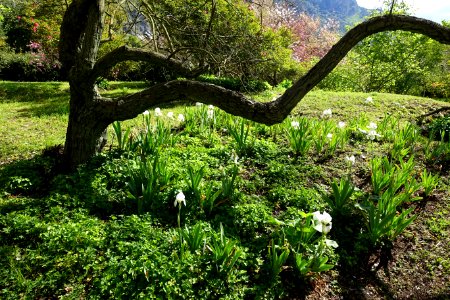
x=33 y=116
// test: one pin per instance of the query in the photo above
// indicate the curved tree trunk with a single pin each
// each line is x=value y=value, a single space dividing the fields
x=90 y=114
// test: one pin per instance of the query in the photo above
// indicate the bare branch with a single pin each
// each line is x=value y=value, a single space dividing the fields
x=188 y=91
x=126 y=53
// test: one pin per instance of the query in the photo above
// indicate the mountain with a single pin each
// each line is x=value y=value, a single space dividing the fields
x=347 y=12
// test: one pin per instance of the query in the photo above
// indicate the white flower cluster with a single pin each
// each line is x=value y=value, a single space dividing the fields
x=351 y=159
x=369 y=100
x=210 y=112
x=170 y=114
x=327 y=113
x=371 y=133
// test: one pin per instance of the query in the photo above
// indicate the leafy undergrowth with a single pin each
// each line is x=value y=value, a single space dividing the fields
x=342 y=203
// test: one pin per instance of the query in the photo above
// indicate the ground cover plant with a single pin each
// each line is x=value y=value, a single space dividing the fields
x=348 y=197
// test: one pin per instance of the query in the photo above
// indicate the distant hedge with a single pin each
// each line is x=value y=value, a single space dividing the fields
x=27 y=67
x=236 y=84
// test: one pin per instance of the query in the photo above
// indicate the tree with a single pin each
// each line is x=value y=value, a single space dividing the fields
x=312 y=37
x=411 y=65
x=90 y=113
x=225 y=38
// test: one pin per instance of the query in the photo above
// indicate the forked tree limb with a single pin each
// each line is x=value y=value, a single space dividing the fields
x=125 y=53
x=270 y=112
x=130 y=106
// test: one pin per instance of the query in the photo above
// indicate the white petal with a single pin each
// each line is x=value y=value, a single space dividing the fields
x=318 y=227
x=317 y=216
x=331 y=243
x=326 y=218
x=326 y=228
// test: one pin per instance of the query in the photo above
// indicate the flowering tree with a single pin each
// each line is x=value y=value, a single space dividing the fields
x=312 y=37
x=90 y=113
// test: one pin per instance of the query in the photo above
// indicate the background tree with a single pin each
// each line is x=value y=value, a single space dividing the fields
x=90 y=113
x=220 y=37
x=312 y=37
x=396 y=62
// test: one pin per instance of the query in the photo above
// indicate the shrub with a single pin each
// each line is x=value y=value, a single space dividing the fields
x=236 y=84
x=27 y=67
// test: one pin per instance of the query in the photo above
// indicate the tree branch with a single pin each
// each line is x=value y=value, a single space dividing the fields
x=126 y=53
x=130 y=106
x=271 y=112
x=373 y=25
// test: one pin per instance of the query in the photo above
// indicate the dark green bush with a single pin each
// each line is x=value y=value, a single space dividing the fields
x=27 y=67
x=236 y=84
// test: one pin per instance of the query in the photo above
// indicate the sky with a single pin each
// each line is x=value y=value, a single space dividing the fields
x=436 y=10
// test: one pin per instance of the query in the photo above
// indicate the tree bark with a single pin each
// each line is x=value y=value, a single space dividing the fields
x=90 y=114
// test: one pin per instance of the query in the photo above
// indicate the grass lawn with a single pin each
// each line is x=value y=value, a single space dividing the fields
x=355 y=204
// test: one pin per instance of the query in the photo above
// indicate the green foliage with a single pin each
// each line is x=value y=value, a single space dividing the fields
x=384 y=222
x=251 y=219
x=300 y=136
x=340 y=197
x=413 y=65
x=195 y=237
x=228 y=192
x=277 y=260
x=429 y=182
x=194 y=180
x=393 y=186
x=79 y=235
x=147 y=179
x=404 y=141
x=151 y=139
x=123 y=138
x=225 y=253
x=239 y=130
x=236 y=84
x=440 y=128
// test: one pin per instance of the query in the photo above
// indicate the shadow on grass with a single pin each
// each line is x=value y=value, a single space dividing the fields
x=39 y=183
x=44 y=98
x=32 y=91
